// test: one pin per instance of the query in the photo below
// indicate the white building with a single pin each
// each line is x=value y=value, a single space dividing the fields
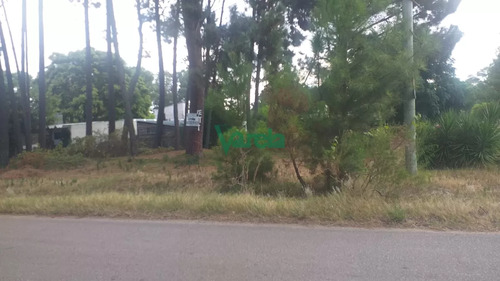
x=169 y=112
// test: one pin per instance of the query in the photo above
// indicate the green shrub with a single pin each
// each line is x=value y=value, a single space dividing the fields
x=366 y=160
x=241 y=166
x=427 y=147
x=488 y=111
x=100 y=146
x=60 y=159
x=396 y=215
x=385 y=157
x=35 y=159
x=460 y=140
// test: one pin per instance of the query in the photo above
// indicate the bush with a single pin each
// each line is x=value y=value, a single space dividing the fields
x=461 y=140
x=60 y=159
x=489 y=111
x=57 y=159
x=396 y=215
x=363 y=161
x=100 y=146
x=241 y=166
x=427 y=148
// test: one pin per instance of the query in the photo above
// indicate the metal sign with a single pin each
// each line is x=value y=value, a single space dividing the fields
x=193 y=120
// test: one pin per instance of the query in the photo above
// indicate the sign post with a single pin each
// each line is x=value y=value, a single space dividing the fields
x=194 y=119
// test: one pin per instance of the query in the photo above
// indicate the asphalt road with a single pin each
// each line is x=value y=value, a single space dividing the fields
x=100 y=249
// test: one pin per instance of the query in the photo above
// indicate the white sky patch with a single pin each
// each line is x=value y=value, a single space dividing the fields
x=480 y=22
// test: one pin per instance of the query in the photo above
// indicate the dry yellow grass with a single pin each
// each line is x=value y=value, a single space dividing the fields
x=156 y=187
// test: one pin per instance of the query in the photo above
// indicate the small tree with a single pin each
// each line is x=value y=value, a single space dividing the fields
x=288 y=101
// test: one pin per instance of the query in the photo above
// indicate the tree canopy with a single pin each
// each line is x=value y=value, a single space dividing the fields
x=66 y=89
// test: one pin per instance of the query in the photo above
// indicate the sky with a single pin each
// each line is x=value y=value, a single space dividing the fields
x=64 y=32
x=479 y=20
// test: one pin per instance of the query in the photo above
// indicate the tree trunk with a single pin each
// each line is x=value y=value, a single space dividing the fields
x=24 y=81
x=135 y=78
x=208 y=70
x=137 y=73
x=209 y=126
x=213 y=73
x=208 y=63
x=88 y=73
x=41 y=80
x=193 y=19
x=14 y=106
x=161 y=78
x=305 y=187
x=138 y=67
x=111 y=80
x=248 y=111
x=4 y=122
x=22 y=89
x=409 y=97
x=257 y=81
x=17 y=126
x=129 y=122
x=186 y=111
x=175 y=80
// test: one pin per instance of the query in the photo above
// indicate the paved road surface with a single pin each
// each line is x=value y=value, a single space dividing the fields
x=33 y=249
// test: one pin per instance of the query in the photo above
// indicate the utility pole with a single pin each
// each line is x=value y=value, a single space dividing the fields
x=42 y=107
x=409 y=95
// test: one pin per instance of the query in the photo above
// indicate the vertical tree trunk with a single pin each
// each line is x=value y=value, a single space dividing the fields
x=14 y=106
x=318 y=70
x=161 y=79
x=209 y=131
x=193 y=19
x=4 y=122
x=111 y=80
x=22 y=89
x=41 y=80
x=208 y=63
x=138 y=67
x=303 y=183
x=128 y=129
x=175 y=79
x=208 y=71
x=24 y=81
x=129 y=122
x=409 y=96
x=186 y=111
x=88 y=73
x=248 y=111
x=213 y=73
x=257 y=81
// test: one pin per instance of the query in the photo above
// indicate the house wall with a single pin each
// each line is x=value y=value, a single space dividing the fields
x=78 y=130
x=146 y=133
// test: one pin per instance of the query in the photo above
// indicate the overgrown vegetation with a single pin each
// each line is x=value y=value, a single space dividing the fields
x=100 y=146
x=154 y=188
x=462 y=139
x=58 y=158
x=239 y=169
